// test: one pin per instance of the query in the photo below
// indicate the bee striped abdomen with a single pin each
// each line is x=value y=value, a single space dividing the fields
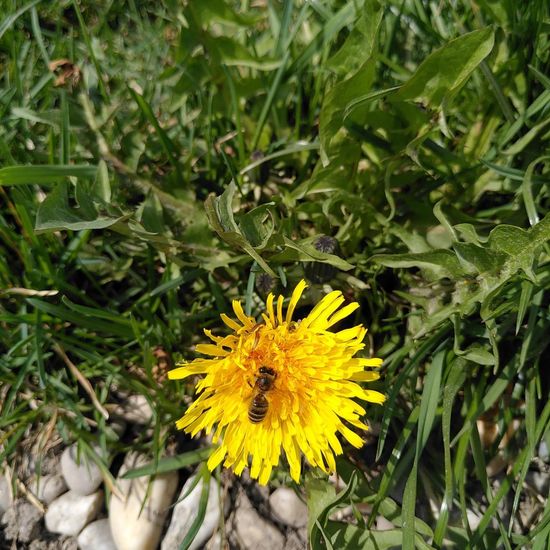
x=258 y=408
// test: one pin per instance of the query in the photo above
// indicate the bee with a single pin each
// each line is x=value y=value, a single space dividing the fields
x=259 y=403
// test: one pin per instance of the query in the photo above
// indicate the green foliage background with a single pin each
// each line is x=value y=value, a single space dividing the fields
x=182 y=152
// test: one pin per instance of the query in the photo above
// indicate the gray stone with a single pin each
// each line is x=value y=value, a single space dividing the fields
x=544 y=453
x=473 y=519
x=5 y=495
x=252 y=530
x=71 y=512
x=135 y=409
x=539 y=480
x=22 y=521
x=295 y=542
x=81 y=473
x=59 y=543
x=118 y=425
x=97 y=536
x=288 y=508
x=185 y=512
x=383 y=524
x=47 y=488
x=497 y=464
x=38 y=464
x=216 y=542
x=138 y=511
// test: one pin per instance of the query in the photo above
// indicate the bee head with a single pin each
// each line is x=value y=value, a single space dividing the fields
x=266 y=371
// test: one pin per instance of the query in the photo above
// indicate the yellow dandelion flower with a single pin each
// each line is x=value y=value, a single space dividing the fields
x=281 y=385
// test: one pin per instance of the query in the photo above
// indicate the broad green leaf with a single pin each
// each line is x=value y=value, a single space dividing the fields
x=337 y=175
x=522 y=246
x=468 y=233
x=151 y=214
x=231 y=53
x=332 y=113
x=319 y=507
x=359 y=43
x=320 y=494
x=356 y=84
x=344 y=16
x=305 y=251
x=208 y=11
x=364 y=100
x=258 y=225
x=479 y=260
x=442 y=261
x=444 y=72
x=55 y=214
x=509 y=239
x=477 y=353
x=413 y=240
x=219 y=211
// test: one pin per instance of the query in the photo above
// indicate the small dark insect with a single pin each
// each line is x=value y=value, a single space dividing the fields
x=65 y=72
x=259 y=403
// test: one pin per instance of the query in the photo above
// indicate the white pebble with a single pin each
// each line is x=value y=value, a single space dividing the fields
x=97 y=536
x=185 y=512
x=136 y=409
x=288 y=508
x=5 y=495
x=253 y=531
x=71 y=512
x=82 y=475
x=134 y=525
x=48 y=487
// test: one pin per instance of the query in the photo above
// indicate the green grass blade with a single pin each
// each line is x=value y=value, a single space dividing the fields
x=12 y=18
x=170 y=463
x=43 y=175
x=273 y=89
x=201 y=511
x=167 y=144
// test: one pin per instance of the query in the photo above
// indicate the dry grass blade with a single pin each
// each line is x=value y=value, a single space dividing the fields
x=82 y=380
x=29 y=292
